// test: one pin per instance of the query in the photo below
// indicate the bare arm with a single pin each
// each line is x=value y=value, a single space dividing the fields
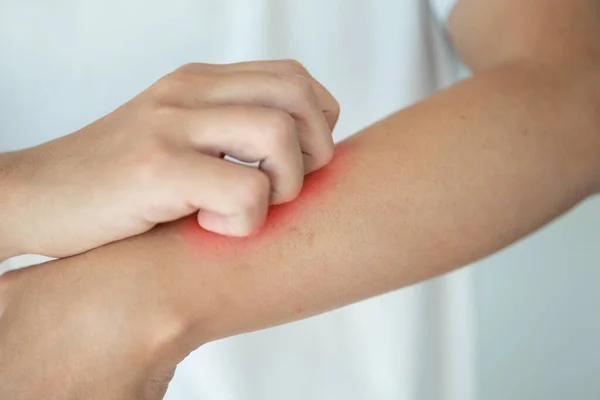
x=429 y=189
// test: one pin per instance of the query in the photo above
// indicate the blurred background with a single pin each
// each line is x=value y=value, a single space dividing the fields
x=537 y=313
x=524 y=324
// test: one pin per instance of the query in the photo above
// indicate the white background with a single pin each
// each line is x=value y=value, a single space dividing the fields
x=536 y=327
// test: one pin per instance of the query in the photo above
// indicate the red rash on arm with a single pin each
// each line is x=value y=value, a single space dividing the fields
x=280 y=217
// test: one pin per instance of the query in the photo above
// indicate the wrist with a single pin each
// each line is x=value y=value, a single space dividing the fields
x=11 y=199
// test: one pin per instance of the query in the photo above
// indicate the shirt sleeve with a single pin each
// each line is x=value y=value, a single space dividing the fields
x=442 y=10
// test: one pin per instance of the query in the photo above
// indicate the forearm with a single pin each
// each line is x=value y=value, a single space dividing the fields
x=425 y=191
x=11 y=197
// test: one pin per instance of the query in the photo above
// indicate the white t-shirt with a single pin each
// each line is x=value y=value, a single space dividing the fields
x=66 y=63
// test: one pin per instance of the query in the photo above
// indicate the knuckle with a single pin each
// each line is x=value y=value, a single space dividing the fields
x=293 y=66
x=168 y=86
x=180 y=86
x=301 y=87
x=188 y=68
x=279 y=128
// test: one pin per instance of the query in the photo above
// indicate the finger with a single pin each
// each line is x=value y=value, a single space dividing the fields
x=237 y=193
x=290 y=93
x=325 y=100
x=250 y=134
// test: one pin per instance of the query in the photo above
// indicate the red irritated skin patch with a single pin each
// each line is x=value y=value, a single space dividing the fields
x=280 y=217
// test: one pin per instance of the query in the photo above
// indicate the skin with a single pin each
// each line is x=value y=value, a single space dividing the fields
x=166 y=147
x=409 y=198
x=317 y=187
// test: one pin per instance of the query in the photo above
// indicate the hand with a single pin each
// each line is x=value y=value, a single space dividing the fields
x=159 y=157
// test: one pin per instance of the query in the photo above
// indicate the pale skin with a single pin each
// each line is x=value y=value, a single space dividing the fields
x=158 y=158
x=429 y=189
